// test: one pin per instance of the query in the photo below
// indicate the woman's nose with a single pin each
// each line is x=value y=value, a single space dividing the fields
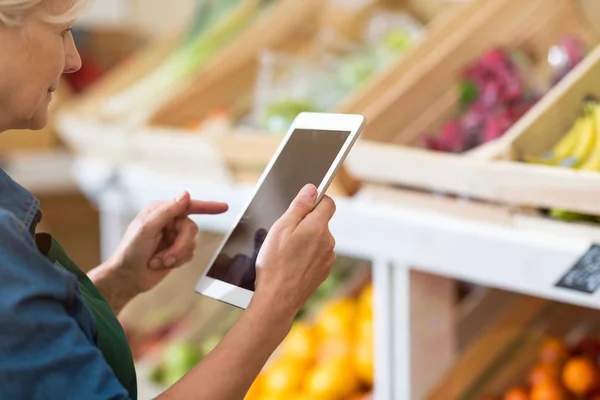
x=72 y=59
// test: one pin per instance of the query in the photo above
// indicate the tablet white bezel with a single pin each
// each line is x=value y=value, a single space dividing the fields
x=352 y=123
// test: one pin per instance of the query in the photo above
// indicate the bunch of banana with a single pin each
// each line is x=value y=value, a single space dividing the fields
x=578 y=149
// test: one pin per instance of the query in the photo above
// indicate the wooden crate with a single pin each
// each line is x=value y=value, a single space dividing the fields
x=503 y=357
x=246 y=154
x=425 y=98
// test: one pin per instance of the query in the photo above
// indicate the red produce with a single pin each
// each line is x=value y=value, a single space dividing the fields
x=494 y=95
x=496 y=126
x=433 y=143
x=453 y=136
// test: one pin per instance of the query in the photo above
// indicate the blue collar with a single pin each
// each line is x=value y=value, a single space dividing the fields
x=18 y=201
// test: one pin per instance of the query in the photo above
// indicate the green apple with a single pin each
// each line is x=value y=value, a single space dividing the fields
x=178 y=359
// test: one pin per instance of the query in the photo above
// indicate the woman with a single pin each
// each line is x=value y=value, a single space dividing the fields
x=59 y=335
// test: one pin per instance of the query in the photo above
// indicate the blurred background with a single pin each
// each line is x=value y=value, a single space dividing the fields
x=481 y=113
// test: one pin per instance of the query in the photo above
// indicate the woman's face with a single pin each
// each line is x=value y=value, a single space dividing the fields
x=34 y=55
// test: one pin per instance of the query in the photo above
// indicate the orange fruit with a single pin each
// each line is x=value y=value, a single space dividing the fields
x=300 y=343
x=299 y=396
x=553 y=351
x=336 y=319
x=548 y=391
x=580 y=375
x=516 y=393
x=363 y=362
x=254 y=393
x=544 y=372
x=334 y=349
x=331 y=380
x=364 y=329
x=365 y=301
x=274 y=396
x=283 y=377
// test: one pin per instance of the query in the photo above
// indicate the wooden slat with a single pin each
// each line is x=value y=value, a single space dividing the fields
x=478 y=311
x=480 y=211
x=507 y=329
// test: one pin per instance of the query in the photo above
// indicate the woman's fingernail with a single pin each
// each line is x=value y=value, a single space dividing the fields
x=155 y=264
x=308 y=191
x=182 y=197
x=169 y=262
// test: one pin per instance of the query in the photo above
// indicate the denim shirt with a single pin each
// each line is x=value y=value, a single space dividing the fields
x=47 y=348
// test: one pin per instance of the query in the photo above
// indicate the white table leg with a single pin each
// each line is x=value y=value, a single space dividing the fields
x=401 y=332
x=383 y=309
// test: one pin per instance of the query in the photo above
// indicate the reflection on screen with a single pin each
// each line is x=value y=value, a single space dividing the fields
x=305 y=159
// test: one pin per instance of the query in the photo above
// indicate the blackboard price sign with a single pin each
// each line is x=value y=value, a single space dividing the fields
x=584 y=276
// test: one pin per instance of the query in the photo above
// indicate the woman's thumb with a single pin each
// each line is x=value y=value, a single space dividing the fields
x=301 y=206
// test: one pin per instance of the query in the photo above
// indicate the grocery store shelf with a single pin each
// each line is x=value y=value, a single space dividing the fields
x=41 y=172
x=397 y=237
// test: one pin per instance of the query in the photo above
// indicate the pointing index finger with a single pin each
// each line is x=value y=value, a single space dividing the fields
x=206 y=207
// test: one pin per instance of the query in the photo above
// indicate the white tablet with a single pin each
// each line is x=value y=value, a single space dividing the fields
x=312 y=151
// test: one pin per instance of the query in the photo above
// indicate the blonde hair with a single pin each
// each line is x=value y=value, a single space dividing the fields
x=12 y=12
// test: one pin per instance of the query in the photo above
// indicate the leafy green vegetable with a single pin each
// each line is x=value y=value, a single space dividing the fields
x=468 y=93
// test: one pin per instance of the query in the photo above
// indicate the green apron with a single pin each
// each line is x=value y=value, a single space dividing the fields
x=110 y=339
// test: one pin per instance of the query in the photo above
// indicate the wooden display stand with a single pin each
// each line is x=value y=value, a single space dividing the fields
x=228 y=79
x=422 y=100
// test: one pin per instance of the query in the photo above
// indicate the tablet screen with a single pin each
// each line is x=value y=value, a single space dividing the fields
x=306 y=158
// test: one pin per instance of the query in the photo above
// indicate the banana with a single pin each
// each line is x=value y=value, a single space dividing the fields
x=563 y=148
x=582 y=147
x=570 y=216
x=593 y=161
x=587 y=139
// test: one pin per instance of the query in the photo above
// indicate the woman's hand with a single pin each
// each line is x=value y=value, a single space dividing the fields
x=297 y=255
x=162 y=237
x=295 y=258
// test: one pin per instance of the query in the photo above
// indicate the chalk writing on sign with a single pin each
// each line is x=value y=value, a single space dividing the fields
x=584 y=276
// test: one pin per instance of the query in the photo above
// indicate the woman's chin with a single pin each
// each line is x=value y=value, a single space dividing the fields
x=38 y=122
